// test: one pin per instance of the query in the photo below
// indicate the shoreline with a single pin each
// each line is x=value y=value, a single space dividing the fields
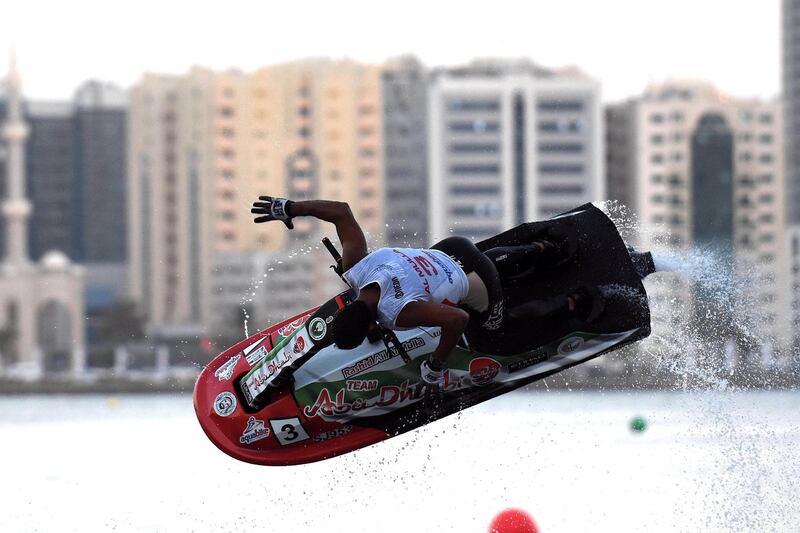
x=570 y=380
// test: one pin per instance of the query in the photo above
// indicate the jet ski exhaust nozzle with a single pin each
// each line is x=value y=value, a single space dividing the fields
x=643 y=263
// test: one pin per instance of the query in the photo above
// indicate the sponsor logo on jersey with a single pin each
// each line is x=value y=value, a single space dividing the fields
x=317 y=329
x=570 y=345
x=379 y=357
x=225 y=403
x=537 y=357
x=447 y=271
x=483 y=370
x=398 y=290
x=225 y=372
x=361 y=384
x=255 y=430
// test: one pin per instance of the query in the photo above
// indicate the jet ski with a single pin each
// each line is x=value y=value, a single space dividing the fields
x=287 y=395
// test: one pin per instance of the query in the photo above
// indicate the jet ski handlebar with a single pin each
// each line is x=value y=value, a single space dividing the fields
x=336 y=256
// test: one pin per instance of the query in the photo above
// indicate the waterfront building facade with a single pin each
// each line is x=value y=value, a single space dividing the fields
x=703 y=172
x=511 y=142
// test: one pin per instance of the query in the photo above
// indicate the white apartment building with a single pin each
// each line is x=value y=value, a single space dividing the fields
x=510 y=142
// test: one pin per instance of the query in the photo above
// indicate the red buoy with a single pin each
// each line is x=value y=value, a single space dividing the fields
x=513 y=521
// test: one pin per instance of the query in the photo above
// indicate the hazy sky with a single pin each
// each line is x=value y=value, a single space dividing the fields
x=623 y=43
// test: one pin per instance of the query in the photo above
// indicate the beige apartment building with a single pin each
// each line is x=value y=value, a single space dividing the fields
x=205 y=144
x=699 y=168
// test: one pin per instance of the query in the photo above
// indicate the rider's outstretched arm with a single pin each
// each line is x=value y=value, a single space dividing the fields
x=354 y=245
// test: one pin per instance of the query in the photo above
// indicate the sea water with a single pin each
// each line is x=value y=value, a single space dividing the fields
x=713 y=461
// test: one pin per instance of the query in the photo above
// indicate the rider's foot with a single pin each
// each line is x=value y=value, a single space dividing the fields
x=432 y=373
x=587 y=303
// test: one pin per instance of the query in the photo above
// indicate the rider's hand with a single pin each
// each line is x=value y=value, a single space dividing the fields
x=273 y=209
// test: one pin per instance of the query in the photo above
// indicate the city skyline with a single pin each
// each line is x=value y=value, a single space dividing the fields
x=742 y=66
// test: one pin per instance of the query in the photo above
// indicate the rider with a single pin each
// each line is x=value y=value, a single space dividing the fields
x=403 y=288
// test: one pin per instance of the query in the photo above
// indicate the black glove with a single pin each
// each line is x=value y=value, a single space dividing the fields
x=273 y=209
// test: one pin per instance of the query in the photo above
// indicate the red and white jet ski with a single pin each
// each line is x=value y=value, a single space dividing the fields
x=287 y=395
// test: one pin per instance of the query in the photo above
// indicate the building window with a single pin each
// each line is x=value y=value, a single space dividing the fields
x=477 y=126
x=561 y=148
x=561 y=189
x=656 y=118
x=460 y=104
x=765 y=158
x=765 y=138
x=766 y=198
x=475 y=189
x=675 y=179
x=657 y=139
x=657 y=178
x=563 y=168
x=559 y=105
x=475 y=169
x=561 y=126
x=657 y=159
x=471 y=148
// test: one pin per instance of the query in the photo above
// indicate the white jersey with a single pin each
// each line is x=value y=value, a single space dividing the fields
x=407 y=275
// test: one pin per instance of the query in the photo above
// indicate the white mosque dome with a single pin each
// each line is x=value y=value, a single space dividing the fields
x=55 y=260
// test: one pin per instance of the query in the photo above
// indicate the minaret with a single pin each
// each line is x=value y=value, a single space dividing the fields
x=16 y=208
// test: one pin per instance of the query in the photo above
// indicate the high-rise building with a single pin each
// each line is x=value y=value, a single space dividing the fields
x=511 y=142
x=172 y=129
x=205 y=145
x=405 y=149
x=52 y=179
x=75 y=165
x=702 y=169
x=791 y=98
x=100 y=114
